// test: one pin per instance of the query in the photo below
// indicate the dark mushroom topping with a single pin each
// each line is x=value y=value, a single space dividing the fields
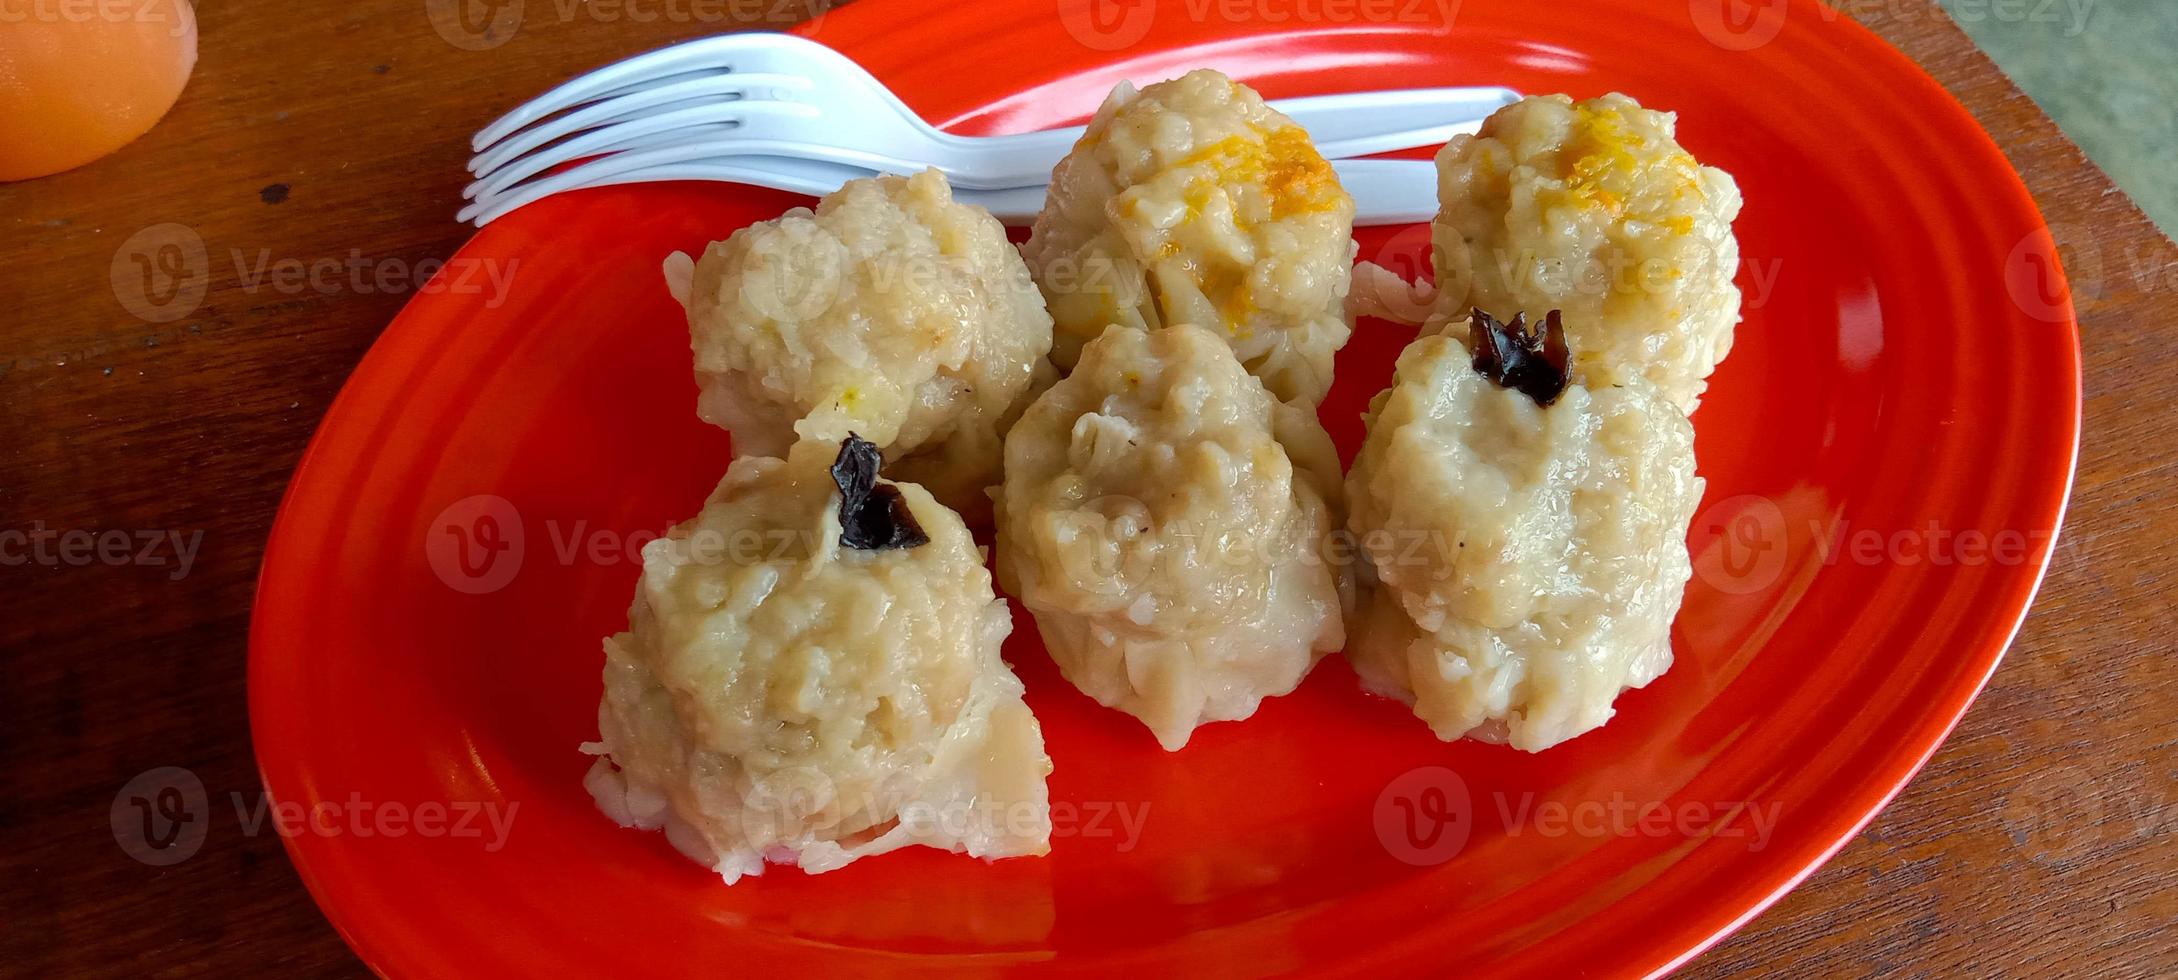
x=872 y=516
x=1511 y=355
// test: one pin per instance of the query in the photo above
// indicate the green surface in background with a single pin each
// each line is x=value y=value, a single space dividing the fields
x=2106 y=70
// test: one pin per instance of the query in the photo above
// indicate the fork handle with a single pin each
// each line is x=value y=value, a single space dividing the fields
x=1355 y=124
x=1351 y=124
x=1386 y=192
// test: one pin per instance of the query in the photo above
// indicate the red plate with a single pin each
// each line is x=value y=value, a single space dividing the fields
x=1888 y=452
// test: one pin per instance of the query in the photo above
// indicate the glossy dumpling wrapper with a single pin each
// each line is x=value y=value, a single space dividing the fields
x=1593 y=209
x=891 y=311
x=804 y=686
x=1163 y=517
x=1192 y=201
x=1521 y=562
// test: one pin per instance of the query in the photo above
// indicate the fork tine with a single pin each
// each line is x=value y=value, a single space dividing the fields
x=605 y=170
x=668 y=78
x=726 y=52
x=707 y=133
x=626 y=107
x=604 y=139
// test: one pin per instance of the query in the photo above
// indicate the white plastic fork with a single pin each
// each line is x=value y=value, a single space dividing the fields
x=1385 y=192
x=863 y=112
x=777 y=110
x=732 y=123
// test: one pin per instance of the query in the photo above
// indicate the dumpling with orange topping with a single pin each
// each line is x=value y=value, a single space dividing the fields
x=1191 y=201
x=1594 y=209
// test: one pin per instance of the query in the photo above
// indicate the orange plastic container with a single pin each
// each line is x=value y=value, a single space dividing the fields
x=81 y=78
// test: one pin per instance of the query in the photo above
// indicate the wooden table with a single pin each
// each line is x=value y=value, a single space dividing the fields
x=2044 y=836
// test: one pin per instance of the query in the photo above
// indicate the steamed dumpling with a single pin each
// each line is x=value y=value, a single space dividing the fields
x=1522 y=556
x=1192 y=201
x=891 y=311
x=1163 y=517
x=811 y=675
x=1594 y=209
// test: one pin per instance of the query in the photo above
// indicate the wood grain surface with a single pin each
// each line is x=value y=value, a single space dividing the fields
x=2042 y=840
